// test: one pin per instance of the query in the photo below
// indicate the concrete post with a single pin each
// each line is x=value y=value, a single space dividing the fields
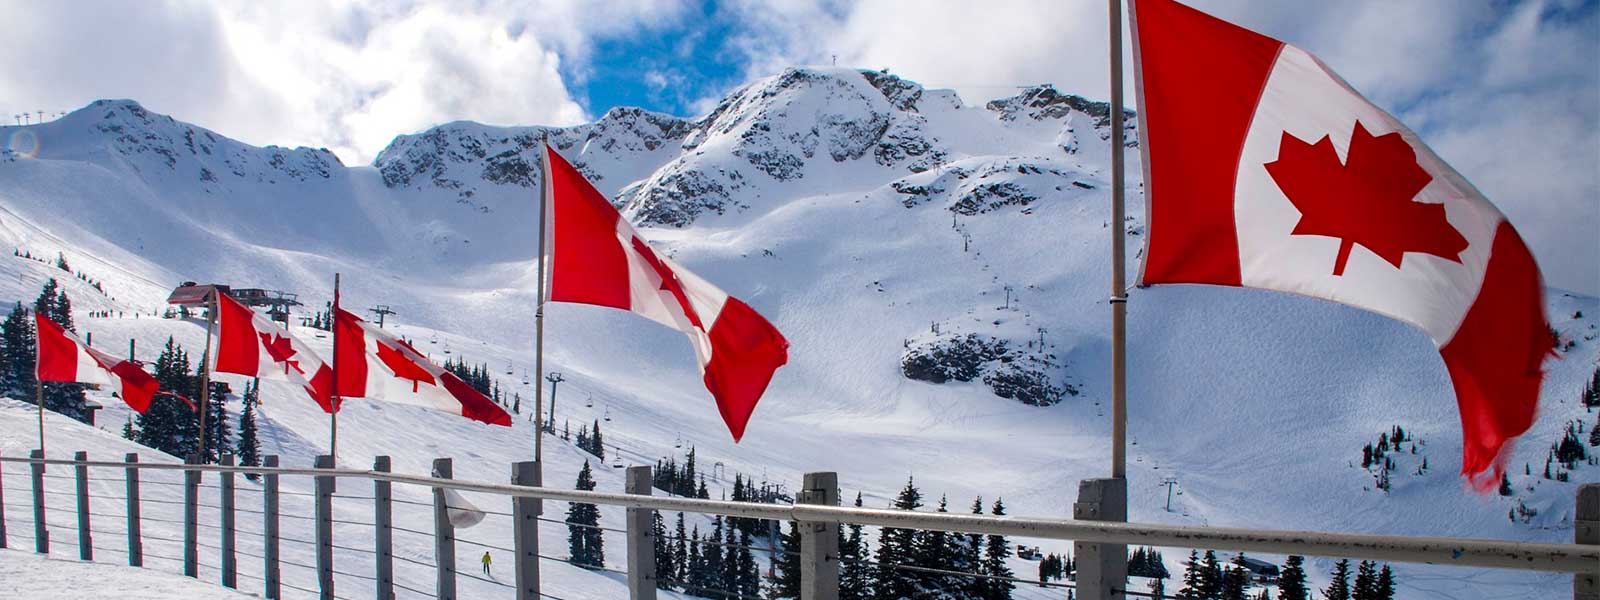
x=525 y=524
x=191 y=519
x=641 y=538
x=41 y=534
x=323 y=486
x=819 y=542
x=444 y=537
x=230 y=558
x=383 y=530
x=135 y=535
x=1102 y=568
x=80 y=477
x=1586 y=530
x=272 y=584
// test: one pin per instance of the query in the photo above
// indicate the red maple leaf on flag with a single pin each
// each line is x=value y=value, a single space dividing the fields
x=281 y=350
x=669 y=281
x=1366 y=200
x=403 y=367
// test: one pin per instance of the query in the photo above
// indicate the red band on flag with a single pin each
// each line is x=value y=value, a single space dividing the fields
x=58 y=354
x=588 y=265
x=746 y=351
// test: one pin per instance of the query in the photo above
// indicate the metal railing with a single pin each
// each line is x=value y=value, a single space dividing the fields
x=1100 y=544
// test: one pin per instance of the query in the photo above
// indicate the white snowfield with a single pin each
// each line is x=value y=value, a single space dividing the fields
x=855 y=211
x=28 y=575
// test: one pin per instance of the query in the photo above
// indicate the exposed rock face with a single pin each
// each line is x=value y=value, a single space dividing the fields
x=1025 y=374
x=979 y=186
x=149 y=140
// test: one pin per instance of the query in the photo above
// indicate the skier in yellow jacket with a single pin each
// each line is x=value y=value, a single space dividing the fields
x=486 y=562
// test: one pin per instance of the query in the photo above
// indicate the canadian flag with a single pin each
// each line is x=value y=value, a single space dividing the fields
x=376 y=365
x=597 y=258
x=249 y=343
x=1264 y=169
x=64 y=357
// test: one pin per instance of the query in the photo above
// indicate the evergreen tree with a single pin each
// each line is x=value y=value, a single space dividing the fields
x=785 y=581
x=972 y=558
x=64 y=398
x=1193 y=580
x=17 y=353
x=1210 y=577
x=715 y=557
x=127 y=430
x=663 y=548
x=1505 y=485
x=1292 y=580
x=855 y=578
x=1385 y=584
x=584 y=543
x=747 y=577
x=936 y=550
x=995 y=553
x=249 y=447
x=170 y=424
x=219 y=434
x=1235 y=579
x=1339 y=587
x=897 y=547
x=1366 y=585
x=680 y=554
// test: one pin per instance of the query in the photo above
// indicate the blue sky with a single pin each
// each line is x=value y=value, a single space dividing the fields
x=672 y=69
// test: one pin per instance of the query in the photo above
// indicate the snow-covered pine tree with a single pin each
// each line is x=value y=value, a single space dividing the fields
x=897 y=547
x=1210 y=577
x=1292 y=580
x=248 y=448
x=585 y=545
x=17 y=351
x=170 y=424
x=1192 y=580
x=1235 y=579
x=680 y=553
x=714 y=555
x=1339 y=585
x=996 y=550
x=855 y=577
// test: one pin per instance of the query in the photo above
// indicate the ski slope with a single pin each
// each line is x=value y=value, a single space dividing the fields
x=855 y=211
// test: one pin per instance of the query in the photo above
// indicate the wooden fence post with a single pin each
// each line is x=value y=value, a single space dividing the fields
x=1586 y=530
x=383 y=530
x=191 y=519
x=324 y=486
x=641 y=538
x=525 y=525
x=41 y=534
x=80 y=479
x=269 y=530
x=135 y=535
x=819 y=542
x=230 y=559
x=444 y=536
x=1102 y=568
x=2 y=507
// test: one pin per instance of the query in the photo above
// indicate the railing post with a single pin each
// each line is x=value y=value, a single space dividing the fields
x=269 y=530
x=2 y=506
x=323 y=486
x=383 y=530
x=525 y=525
x=1102 y=568
x=444 y=536
x=135 y=535
x=191 y=519
x=230 y=560
x=819 y=542
x=1586 y=530
x=641 y=538
x=80 y=479
x=41 y=534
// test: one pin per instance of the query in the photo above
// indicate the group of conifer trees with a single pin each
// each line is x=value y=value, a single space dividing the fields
x=1204 y=578
x=18 y=348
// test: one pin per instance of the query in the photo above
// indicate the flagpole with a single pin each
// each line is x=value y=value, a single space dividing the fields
x=333 y=368
x=38 y=396
x=205 y=361
x=538 y=315
x=1119 y=297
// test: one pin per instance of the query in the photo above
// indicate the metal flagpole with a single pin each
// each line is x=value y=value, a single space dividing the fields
x=1119 y=290
x=538 y=315
x=38 y=398
x=205 y=362
x=333 y=368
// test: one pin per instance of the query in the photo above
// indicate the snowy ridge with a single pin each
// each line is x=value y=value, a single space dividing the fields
x=855 y=210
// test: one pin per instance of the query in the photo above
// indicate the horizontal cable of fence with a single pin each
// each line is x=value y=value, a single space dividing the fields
x=1532 y=556
x=735 y=546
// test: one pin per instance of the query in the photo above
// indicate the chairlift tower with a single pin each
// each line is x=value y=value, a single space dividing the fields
x=382 y=310
x=1169 y=482
x=555 y=378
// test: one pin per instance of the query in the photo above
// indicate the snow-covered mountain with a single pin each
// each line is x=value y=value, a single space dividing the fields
x=939 y=269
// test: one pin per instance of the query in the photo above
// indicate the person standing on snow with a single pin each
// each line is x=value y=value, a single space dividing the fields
x=486 y=562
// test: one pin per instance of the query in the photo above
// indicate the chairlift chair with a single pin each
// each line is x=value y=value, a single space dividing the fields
x=616 y=457
x=590 y=402
x=608 y=414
